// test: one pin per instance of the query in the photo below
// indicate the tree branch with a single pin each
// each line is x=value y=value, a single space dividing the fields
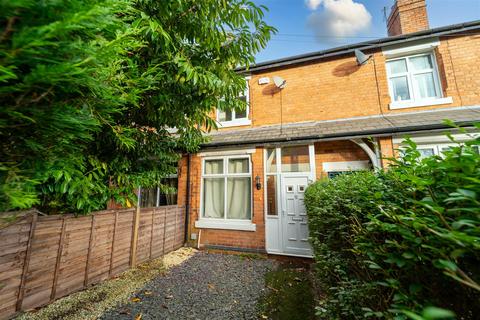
x=8 y=29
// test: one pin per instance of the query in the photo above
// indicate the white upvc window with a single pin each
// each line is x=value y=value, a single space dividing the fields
x=226 y=193
x=428 y=150
x=232 y=118
x=413 y=81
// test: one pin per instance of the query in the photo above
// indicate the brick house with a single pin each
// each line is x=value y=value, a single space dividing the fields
x=326 y=114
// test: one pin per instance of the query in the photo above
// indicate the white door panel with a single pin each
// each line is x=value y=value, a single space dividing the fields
x=294 y=216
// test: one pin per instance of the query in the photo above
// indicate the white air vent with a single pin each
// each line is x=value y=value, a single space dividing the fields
x=264 y=80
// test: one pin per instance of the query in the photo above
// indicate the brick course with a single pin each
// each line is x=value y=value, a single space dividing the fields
x=407 y=16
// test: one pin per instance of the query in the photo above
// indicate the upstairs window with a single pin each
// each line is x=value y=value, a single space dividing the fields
x=413 y=81
x=236 y=117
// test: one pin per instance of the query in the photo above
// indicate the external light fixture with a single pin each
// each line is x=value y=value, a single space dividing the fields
x=258 y=184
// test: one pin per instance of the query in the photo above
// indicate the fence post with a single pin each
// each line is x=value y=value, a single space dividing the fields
x=115 y=224
x=26 y=262
x=164 y=229
x=136 y=222
x=89 y=253
x=57 y=263
x=151 y=234
x=175 y=230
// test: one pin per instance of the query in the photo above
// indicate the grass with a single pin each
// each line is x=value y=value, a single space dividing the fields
x=290 y=295
x=252 y=256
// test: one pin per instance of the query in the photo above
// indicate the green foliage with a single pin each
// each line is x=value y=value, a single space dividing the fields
x=337 y=213
x=395 y=244
x=91 y=89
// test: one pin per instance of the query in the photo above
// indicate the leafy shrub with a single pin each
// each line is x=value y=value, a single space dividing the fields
x=90 y=88
x=403 y=243
x=337 y=217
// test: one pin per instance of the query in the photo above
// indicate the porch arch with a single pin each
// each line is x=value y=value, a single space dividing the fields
x=372 y=154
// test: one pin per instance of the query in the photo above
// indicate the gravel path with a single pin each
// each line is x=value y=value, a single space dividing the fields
x=207 y=286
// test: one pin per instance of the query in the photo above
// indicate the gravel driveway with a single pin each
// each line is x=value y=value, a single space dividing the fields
x=207 y=286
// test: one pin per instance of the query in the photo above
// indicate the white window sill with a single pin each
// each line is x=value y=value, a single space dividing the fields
x=235 y=123
x=225 y=225
x=421 y=103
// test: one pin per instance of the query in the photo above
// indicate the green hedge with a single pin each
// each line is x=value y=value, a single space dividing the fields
x=400 y=244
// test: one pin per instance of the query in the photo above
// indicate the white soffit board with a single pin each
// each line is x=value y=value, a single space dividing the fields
x=346 y=165
x=413 y=47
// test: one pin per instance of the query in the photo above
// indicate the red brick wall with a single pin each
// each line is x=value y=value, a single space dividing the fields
x=386 y=150
x=337 y=88
x=336 y=151
x=407 y=16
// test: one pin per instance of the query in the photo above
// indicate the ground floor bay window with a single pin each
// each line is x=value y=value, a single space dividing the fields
x=226 y=200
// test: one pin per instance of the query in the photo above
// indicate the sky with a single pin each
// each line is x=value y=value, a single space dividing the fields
x=312 y=25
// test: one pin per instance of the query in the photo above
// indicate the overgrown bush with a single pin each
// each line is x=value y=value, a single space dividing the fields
x=403 y=243
x=91 y=88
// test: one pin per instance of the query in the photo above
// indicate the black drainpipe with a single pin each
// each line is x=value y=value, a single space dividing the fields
x=187 y=200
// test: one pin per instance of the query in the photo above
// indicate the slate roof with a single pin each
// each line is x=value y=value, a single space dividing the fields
x=347 y=128
x=461 y=28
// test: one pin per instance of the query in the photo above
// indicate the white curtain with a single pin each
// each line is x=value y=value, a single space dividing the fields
x=238 y=166
x=426 y=85
x=214 y=197
x=238 y=195
x=214 y=166
x=238 y=190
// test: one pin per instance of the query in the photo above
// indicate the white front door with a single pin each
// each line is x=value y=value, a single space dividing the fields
x=294 y=216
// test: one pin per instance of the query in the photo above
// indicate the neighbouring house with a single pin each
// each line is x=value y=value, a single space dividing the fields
x=318 y=115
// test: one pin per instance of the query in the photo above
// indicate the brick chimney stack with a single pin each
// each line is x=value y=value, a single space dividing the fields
x=407 y=16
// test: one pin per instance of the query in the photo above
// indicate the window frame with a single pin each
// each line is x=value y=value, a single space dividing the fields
x=238 y=121
x=415 y=100
x=278 y=173
x=225 y=175
x=158 y=194
x=438 y=148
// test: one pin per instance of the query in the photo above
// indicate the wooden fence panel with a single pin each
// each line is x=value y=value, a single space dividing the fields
x=14 y=241
x=122 y=246
x=41 y=269
x=43 y=258
x=99 y=264
x=73 y=261
x=158 y=232
x=144 y=235
x=170 y=229
x=179 y=228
